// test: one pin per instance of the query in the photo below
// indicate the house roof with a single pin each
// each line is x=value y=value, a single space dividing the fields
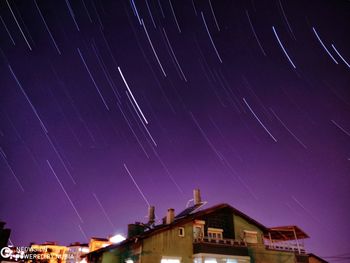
x=317 y=257
x=184 y=219
x=284 y=233
x=99 y=239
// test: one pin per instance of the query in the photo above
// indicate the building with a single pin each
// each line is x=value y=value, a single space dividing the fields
x=76 y=251
x=4 y=237
x=214 y=235
x=97 y=243
x=49 y=252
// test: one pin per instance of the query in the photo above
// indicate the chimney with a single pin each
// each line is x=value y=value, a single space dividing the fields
x=170 y=216
x=135 y=229
x=151 y=216
x=197 y=197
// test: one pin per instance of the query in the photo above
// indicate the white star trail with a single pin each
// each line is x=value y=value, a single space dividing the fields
x=83 y=233
x=341 y=128
x=93 y=80
x=174 y=15
x=281 y=45
x=172 y=52
x=47 y=28
x=286 y=19
x=211 y=145
x=132 y=130
x=212 y=11
x=255 y=35
x=150 y=14
x=151 y=44
x=72 y=14
x=133 y=5
x=20 y=29
x=64 y=190
x=149 y=134
x=3 y=155
x=60 y=158
x=104 y=211
x=138 y=188
x=211 y=39
x=7 y=30
x=324 y=46
x=290 y=132
x=342 y=58
x=28 y=100
x=132 y=95
x=257 y=118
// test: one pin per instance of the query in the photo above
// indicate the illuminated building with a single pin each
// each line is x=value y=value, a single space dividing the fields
x=97 y=243
x=76 y=250
x=49 y=252
x=219 y=234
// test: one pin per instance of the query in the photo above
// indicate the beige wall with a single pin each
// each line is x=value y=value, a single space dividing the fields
x=168 y=243
x=241 y=224
x=261 y=255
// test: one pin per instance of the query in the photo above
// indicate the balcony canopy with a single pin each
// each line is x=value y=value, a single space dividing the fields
x=284 y=233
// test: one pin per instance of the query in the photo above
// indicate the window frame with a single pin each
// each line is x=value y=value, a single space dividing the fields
x=215 y=233
x=251 y=234
x=181 y=232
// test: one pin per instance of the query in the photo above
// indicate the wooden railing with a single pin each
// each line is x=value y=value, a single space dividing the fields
x=223 y=241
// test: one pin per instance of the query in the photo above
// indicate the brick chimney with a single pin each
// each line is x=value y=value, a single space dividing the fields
x=170 y=216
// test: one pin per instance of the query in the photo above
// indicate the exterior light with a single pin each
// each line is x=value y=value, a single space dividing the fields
x=117 y=239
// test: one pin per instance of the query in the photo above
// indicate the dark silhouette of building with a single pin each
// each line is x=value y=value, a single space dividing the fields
x=4 y=236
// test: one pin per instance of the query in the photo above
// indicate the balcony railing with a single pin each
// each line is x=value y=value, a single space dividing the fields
x=286 y=247
x=223 y=241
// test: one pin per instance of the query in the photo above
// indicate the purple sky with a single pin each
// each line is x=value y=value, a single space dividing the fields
x=247 y=100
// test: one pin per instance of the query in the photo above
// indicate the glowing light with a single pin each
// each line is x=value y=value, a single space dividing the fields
x=117 y=239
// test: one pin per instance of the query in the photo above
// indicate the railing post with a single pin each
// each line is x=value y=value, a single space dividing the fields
x=296 y=239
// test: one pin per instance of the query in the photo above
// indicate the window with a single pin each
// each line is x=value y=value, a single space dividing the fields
x=170 y=260
x=198 y=229
x=129 y=261
x=251 y=236
x=181 y=232
x=215 y=233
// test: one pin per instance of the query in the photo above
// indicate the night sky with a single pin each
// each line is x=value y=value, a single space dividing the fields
x=109 y=106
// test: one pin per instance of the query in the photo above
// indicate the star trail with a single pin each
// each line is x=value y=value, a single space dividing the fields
x=108 y=107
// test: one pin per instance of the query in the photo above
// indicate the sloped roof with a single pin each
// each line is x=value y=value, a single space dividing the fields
x=317 y=257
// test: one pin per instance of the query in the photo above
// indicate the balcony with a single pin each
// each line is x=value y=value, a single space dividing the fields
x=220 y=246
x=283 y=246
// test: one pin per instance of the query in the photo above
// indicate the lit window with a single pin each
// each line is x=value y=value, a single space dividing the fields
x=170 y=260
x=210 y=260
x=198 y=232
x=215 y=233
x=251 y=237
x=129 y=261
x=181 y=232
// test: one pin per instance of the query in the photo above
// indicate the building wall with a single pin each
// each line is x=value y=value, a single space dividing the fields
x=56 y=253
x=261 y=255
x=241 y=224
x=169 y=243
x=258 y=252
x=111 y=256
x=95 y=244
